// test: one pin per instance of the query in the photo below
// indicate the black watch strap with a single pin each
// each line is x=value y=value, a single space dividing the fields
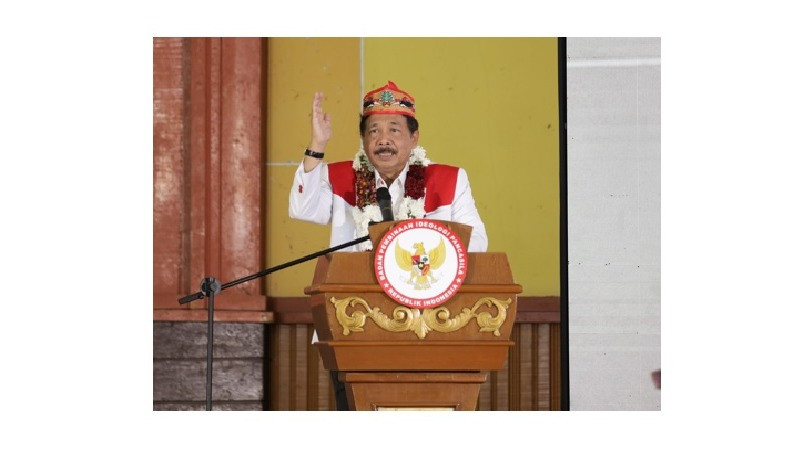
x=308 y=152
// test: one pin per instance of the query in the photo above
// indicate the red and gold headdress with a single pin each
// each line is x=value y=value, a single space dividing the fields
x=389 y=99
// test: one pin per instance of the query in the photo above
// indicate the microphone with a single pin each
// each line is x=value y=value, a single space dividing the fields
x=384 y=201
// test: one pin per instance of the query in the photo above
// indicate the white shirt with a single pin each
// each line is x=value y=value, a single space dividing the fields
x=312 y=199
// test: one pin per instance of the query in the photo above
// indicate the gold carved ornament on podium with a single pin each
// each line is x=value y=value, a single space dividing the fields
x=420 y=322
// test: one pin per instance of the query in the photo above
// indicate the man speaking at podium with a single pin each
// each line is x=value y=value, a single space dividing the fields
x=344 y=193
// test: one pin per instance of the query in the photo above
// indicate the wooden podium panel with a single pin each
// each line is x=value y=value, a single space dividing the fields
x=414 y=356
x=413 y=391
x=391 y=356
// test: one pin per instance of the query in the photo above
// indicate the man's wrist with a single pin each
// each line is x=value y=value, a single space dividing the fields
x=317 y=145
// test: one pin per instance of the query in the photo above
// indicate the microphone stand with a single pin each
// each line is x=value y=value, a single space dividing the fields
x=211 y=287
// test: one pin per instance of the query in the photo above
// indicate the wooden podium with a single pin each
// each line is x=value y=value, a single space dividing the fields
x=392 y=357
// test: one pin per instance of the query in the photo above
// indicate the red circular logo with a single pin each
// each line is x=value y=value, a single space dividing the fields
x=420 y=263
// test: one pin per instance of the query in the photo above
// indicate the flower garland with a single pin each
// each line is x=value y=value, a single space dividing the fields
x=366 y=209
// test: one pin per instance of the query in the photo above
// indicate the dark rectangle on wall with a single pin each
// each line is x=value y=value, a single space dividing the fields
x=187 y=340
x=179 y=366
x=564 y=231
x=184 y=380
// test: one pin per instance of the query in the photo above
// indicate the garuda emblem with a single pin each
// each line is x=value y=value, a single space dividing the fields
x=420 y=264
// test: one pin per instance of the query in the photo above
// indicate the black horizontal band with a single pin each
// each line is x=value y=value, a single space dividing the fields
x=308 y=152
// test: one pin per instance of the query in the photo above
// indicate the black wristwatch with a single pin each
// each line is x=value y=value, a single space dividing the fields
x=308 y=152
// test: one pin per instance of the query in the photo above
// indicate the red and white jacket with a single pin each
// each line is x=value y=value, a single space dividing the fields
x=326 y=194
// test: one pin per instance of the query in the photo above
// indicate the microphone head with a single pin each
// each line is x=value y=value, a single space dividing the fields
x=384 y=202
x=382 y=194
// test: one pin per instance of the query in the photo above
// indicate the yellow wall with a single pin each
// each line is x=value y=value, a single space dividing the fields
x=296 y=68
x=489 y=105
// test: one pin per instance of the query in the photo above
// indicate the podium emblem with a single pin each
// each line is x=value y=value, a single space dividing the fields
x=420 y=263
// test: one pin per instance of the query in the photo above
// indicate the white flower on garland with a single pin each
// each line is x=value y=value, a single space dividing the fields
x=419 y=157
x=361 y=160
x=362 y=218
x=410 y=208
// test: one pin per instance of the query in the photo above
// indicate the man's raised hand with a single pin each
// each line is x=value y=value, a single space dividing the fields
x=320 y=124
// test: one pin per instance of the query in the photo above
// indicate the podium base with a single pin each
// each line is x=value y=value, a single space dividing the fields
x=412 y=391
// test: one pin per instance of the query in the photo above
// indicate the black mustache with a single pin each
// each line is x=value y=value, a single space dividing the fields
x=382 y=150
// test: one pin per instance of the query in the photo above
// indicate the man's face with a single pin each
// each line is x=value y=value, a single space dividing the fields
x=388 y=142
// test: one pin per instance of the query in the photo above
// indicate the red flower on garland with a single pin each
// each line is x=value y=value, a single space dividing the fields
x=364 y=187
x=414 y=182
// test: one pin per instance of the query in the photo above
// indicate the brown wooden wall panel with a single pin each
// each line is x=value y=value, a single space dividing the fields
x=298 y=379
x=554 y=367
x=207 y=165
x=527 y=363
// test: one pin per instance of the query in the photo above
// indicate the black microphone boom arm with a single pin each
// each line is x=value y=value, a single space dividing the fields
x=201 y=294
